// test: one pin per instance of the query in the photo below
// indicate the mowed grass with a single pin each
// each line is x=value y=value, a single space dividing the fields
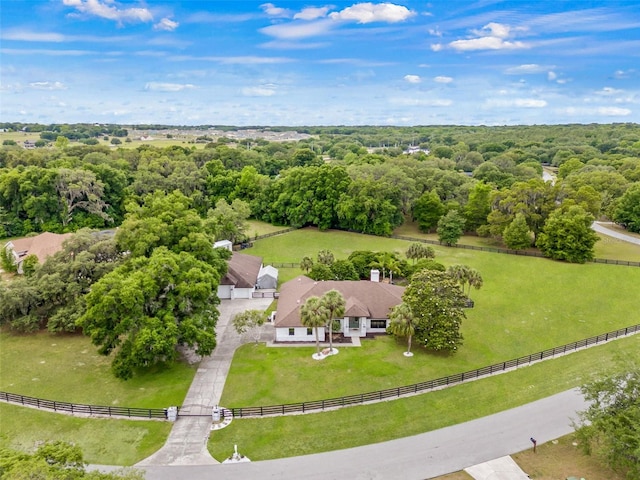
x=257 y=227
x=266 y=438
x=103 y=441
x=68 y=368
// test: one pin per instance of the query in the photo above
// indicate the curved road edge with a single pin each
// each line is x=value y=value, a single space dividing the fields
x=417 y=457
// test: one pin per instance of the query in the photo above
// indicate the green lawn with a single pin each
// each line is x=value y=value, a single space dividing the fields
x=257 y=227
x=548 y=304
x=69 y=369
x=278 y=437
x=103 y=441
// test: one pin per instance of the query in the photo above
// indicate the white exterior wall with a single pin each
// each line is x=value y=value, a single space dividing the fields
x=224 y=291
x=300 y=335
x=243 y=292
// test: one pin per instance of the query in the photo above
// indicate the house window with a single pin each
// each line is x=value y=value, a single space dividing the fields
x=292 y=332
x=309 y=331
x=378 y=324
x=354 y=322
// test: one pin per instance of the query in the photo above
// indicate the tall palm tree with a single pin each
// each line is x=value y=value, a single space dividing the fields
x=403 y=324
x=416 y=251
x=313 y=314
x=335 y=303
x=460 y=274
x=306 y=264
x=474 y=280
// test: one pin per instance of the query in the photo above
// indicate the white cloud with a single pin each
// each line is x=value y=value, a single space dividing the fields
x=311 y=13
x=373 y=12
x=436 y=47
x=48 y=86
x=412 y=78
x=296 y=30
x=551 y=76
x=273 y=11
x=442 y=79
x=614 y=111
x=27 y=36
x=166 y=24
x=493 y=36
x=262 y=91
x=168 y=87
x=107 y=9
x=607 y=91
x=517 y=102
x=485 y=43
x=420 y=102
x=529 y=68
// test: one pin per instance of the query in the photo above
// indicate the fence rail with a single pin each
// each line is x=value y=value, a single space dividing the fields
x=428 y=385
x=84 y=409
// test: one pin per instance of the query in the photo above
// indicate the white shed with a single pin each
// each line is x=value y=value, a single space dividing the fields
x=267 y=277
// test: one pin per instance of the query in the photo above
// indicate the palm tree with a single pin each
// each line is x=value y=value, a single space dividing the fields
x=403 y=324
x=416 y=251
x=460 y=274
x=335 y=303
x=306 y=264
x=326 y=257
x=314 y=315
x=474 y=280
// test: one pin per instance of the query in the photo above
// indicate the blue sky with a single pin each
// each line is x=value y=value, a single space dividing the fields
x=486 y=62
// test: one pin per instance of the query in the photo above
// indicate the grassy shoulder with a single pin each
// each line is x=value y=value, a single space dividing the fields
x=267 y=438
x=103 y=441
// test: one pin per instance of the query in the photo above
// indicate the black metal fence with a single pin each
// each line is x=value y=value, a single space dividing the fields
x=359 y=399
x=84 y=409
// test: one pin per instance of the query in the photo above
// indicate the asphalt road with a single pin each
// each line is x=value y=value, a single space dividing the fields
x=412 y=458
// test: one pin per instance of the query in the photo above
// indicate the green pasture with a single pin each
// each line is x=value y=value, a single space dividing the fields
x=526 y=305
x=103 y=441
x=278 y=437
x=68 y=368
x=258 y=227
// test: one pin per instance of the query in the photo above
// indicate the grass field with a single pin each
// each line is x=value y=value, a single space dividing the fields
x=69 y=369
x=556 y=460
x=103 y=441
x=257 y=227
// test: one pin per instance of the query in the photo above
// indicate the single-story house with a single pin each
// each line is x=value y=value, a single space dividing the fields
x=367 y=308
x=267 y=277
x=241 y=277
x=41 y=246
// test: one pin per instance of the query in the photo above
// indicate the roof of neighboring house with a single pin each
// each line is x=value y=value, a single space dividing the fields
x=41 y=246
x=242 y=271
x=362 y=298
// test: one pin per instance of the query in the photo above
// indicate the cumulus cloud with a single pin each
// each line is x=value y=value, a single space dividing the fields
x=108 y=9
x=412 y=78
x=551 y=76
x=420 y=102
x=493 y=36
x=436 y=47
x=311 y=13
x=442 y=79
x=614 y=111
x=373 y=12
x=166 y=24
x=168 y=87
x=273 y=11
x=48 y=86
x=604 y=111
x=261 y=91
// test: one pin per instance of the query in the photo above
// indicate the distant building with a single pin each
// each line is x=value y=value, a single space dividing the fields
x=42 y=246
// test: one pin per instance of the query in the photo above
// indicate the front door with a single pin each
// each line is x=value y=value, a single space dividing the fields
x=354 y=323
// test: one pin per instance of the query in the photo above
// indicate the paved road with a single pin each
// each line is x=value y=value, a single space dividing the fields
x=412 y=458
x=601 y=227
